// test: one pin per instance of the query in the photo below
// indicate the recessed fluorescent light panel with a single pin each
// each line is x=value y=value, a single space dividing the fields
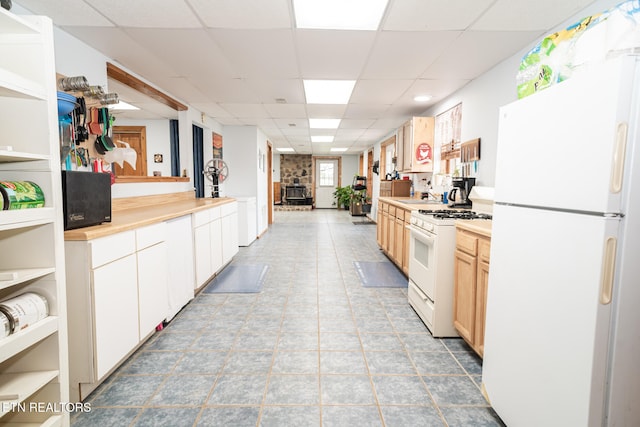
x=321 y=138
x=422 y=98
x=339 y=14
x=324 y=123
x=285 y=150
x=121 y=105
x=339 y=149
x=328 y=91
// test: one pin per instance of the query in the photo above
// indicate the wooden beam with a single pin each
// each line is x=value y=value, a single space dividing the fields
x=123 y=77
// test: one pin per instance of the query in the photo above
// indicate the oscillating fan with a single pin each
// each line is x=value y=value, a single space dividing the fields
x=216 y=171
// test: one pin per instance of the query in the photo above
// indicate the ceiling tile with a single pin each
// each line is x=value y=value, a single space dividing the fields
x=246 y=110
x=333 y=54
x=67 y=12
x=364 y=111
x=355 y=124
x=404 y=55
x=433 y=15
x=526 y=15
x=326 y=111
x=243 y=14
x=269 y=90
x=212 y=109
x=259 y=53
x=168 y=45
x=475 y=52
x=280 y=111
x=379 y=91
x=234 y=91
x=148 y=13
x=300 y=123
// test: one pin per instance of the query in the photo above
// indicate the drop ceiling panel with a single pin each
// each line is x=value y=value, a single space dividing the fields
x=242 y=14
x=379 y=91
x=404 y=55
x=355 y=124
x=258 y=53
x=283 y=111
x=349 y=134
x=182 y=89
x=212 y=109
x=327 y=54
x=178 y=48
x=269 y=90
x=234 y=91
x=433 y=15
x=525 y=15
x=284 y=123
x=246 y=110
x=364 y=111
x=476 y=52
x=326 y=111
x=147 y=13
x=67 y=12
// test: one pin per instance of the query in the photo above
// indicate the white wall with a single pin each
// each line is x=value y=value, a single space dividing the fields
x=482 y=98
x=158 y=142
x=350 y=165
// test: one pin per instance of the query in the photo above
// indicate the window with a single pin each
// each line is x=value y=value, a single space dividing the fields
x=326 y=175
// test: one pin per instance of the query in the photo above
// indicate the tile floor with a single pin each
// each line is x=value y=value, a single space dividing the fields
x=313 y=348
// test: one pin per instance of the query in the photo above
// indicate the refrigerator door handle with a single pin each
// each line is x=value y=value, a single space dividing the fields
x=608 y=268
x=619 y=150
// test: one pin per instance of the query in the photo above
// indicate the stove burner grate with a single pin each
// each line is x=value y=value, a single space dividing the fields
x=455 y=214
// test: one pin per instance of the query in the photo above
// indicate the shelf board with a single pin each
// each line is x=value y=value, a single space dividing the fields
x=18 y=341
x=19 y=386
x=11 y=23
x=17 y=156
x=23 y=275
x=20 y=218
x=14 y=85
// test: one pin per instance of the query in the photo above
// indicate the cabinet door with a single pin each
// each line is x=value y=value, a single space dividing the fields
x=391 y=229
x=385 y=230
x=481 y=306
x=215 y=230
x=464 y=301
x=115 y=312
x=407 y=239
x=399 y=236
x=152 y=287
x=181 y=276
x=229 y=237
x=202 y=255
x=400 y=149
x=379 y=225
x=407 y=142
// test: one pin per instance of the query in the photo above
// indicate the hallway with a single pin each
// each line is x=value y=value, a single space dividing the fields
x=313 y=348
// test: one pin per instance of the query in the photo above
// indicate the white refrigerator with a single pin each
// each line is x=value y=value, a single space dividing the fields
x=562 y=339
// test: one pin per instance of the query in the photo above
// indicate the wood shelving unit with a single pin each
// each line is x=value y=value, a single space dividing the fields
x=33 y=361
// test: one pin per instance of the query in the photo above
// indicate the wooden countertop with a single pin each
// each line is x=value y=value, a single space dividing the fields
x=414 y=203
x=480 y=226
x=130 y=219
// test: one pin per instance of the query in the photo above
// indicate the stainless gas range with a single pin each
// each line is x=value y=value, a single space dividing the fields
x=431 y=270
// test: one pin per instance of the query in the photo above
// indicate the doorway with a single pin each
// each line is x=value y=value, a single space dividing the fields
x=198 y=161
x=326 y=182
x=136 y=137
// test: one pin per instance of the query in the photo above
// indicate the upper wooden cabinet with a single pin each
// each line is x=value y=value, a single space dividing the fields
x=414 y=148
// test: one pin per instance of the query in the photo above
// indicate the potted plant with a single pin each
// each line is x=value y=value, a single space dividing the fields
x=360 y=203
x=342 y=197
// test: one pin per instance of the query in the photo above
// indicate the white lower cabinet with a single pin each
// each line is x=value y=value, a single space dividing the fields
x=181 y=275
x=215 y=237
x=229 y=214
x=152 y=287
x=115 y=313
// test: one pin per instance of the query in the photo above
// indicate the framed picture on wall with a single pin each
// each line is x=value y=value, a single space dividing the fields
x=217 y=146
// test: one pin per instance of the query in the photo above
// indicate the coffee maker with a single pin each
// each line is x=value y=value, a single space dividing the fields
x=459 y=195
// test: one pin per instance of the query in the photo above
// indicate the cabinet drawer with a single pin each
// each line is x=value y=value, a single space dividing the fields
x=150 y=235
x=484 y=250
x=392 y=211
x=467 y=242
x=228 y=208
x=201 y=217
x=214 y=213
x=107 y=249
x=400 y=214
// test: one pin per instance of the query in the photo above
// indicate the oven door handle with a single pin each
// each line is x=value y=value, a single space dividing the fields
x=423 y=237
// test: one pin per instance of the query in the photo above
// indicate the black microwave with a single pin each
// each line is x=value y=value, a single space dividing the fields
x=86 y=198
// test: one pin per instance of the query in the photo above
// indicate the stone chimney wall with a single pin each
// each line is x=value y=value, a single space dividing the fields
x=296 y=166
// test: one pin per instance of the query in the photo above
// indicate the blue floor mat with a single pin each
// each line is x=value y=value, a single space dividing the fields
x=242 y=278
x=380 y=275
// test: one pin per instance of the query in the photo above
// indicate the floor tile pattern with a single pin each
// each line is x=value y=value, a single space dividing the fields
x=314 y=348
